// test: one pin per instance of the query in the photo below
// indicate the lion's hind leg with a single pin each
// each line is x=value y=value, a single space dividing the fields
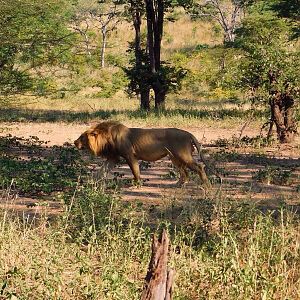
x=199 y=169
x=184 y=177
x=186 y=160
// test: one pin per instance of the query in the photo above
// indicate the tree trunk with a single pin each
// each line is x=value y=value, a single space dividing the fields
x=282 y=110
x=150 y=34
x=159 y=96
x=87 y=45
x=144 y=88
x=155 y=19
x=270 y=131
x=137 y=21
x=103 y=48
x=145 y=99
x=159 y=279
x=158 y=23
x=229 y=36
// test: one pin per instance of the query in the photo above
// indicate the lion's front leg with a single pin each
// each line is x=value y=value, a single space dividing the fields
x=111 y=162
x=135 y=169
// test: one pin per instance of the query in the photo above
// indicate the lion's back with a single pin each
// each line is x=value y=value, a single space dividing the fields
x=162 y=137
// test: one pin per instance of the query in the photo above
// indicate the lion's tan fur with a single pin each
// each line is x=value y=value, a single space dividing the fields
x=113 y=140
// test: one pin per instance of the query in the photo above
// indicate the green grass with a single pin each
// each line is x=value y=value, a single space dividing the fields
x=169 y=117
x=185 y=109
x=274 y=175
x=100 y=249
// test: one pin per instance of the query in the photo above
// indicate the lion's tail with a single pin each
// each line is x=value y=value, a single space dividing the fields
x=198 y=146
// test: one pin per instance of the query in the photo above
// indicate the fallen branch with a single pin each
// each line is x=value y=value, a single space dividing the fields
x=159 y=278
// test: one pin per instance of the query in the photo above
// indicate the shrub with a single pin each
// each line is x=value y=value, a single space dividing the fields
x=41 y=170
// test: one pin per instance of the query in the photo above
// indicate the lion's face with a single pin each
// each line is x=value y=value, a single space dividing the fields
x=91 y=140
x=87 y=141
x=81 y=142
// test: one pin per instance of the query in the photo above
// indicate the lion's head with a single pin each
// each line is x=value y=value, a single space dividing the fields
x=98 y=139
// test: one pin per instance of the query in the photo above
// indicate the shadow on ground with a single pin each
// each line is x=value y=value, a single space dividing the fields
x=31 y=115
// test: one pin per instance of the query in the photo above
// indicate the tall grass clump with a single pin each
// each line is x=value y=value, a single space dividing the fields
x=100 y=249
x=246 y=255
x=93 y=252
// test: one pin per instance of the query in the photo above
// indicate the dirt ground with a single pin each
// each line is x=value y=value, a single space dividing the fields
x=159 y=185
x=59 y=133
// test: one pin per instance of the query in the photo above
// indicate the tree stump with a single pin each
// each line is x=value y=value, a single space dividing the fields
x=159 y=278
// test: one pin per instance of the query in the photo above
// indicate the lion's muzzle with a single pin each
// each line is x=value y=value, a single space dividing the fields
x=78 y=144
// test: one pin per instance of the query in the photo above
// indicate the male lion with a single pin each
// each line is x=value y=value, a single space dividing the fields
x=113 y=140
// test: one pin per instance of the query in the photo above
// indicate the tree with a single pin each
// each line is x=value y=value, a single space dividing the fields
x=104 y=15
x=80 y=24
x=139 y=72
x=227 y=13
x=155 y=10
x=148 y=71
x=289 y=9
x=108 y=17
x=32 y=34
x=270 y=69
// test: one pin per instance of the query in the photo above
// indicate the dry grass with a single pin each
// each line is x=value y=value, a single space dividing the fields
x=81 y=102
x=220 y=251
x=186 y=34
x=182 y=33
x=180 y=111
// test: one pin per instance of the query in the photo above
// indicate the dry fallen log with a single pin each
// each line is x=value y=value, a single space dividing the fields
x=159 y=278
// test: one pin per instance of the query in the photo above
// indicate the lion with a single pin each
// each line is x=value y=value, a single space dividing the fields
x=113 y=140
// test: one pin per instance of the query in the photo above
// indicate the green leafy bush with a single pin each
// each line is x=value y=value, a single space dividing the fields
x=111 y=84
x=33 y=169
x=273 y=175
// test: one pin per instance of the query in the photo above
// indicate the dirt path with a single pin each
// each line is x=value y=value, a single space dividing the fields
x=59 y=133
